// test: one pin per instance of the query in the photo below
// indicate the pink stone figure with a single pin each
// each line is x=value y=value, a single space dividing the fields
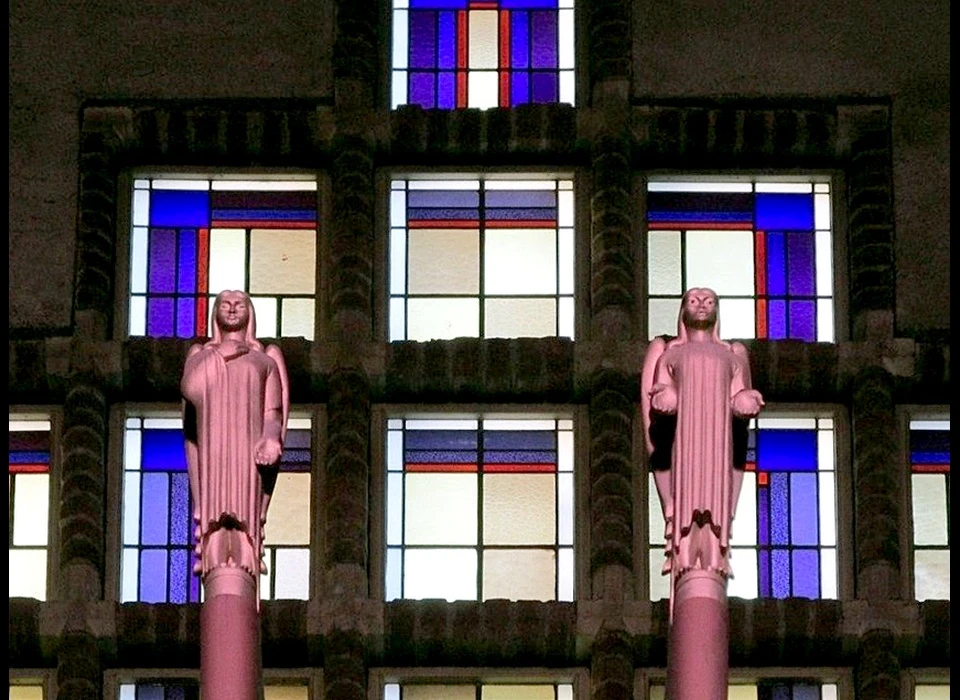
x=703 y=384
x=236 y=403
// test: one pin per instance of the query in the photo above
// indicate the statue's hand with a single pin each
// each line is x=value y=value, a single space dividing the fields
x=747 y=403
x=663 y=399
x=267 y=452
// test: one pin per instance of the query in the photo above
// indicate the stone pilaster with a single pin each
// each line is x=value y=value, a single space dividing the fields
x=344 y=669
x=878 y=667
x=610 y=40
x=79 y=668
x=356 y=63
x=611 y=666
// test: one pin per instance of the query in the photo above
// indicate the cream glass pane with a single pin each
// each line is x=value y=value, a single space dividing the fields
x=659 y=584
x=31 y=509
x=450 y=574
x=828 y=691
x=787 y=423
x=131 y=508
x=519 y=574
x=401 y=39
x=394 y=509
x=828 y=510
x=266 y=310
x=228 y=259
x=163 y=423
x=397 y=319
x=519 y=318
x=288 y=520
x=398 y=258
x=398 y=92
x=742 y=692
x=931 y=574
x=297 y=318
x=28 y=573
x=744 y=531
x=565 y=574
x=444 y=261
x=519 y=509
x=441 y=319
x=285 y=692
x=826 y=455
x=821 y=187
x=737 y=318
x=292 y=577
x=663 y=262
x=26 y=692
x=722 y=261
x=482 y=42
x=141 y=208
x=138 y=260
x=565 y=257
x=564 y=450
x=565 y=508
x=394 y=574
x=655 y=522
x=282 y=261
x=138 y=316
x=658 y=692
x=129 y=575
x=795 y=187
x=517 y=692
x=482 y=89
x=174 y=184
x=698 y=186
x=440 y=509
x=439 y=692
x=828 y=573
x=662 y=318
x=824 y=262
x=824 y=320
x=520 y=261
x=929 y=509
x=272 y=185
x=932 y=692
x=744 y=582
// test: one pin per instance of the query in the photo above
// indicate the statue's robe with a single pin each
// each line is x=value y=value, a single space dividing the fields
x=229 y=399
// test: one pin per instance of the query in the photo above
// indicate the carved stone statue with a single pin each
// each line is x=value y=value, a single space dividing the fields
x=696 y=397
x=236 y=403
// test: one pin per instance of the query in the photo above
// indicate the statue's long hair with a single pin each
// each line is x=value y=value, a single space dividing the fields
x=250 y=335
x=682 y=335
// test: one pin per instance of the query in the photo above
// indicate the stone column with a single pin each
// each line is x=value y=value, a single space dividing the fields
x=611 y=666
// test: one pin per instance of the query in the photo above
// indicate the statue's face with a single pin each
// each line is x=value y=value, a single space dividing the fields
x=233 y=311
x=700 y=308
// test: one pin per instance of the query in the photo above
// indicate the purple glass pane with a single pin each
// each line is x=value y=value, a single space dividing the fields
x=763 y=515
x=776 y=264
x=443 y=199
x=780 y=566
x=519 y=40
x=447 y=41
x=162 y=449
x=806 y=691
x=180 y=516
x=766 y=588
x=154 y=509
x=150 y=692
x=543 y=36
x=194 y=581
x=519 y=88
x=803 y=320
x=178 y=575
x=295 y=460
x=186 y=312
x=519 y=214
x=177 y=692
x=521 y=199
x=442 y=439
x=187 y=269
x=787 y=450
x=782 y=212
x=297 y=439
x=520 y=456
x=519 y=440
x=801 y=263
x=527 y=4
x=421 y=90
x=545 y=87
x=153 y=576
x=179 y=208
x=804 y=511
x=779 y=503
x=163 y=252
x=440 y=457
x=806 y=573
x=776 y=319
x=423 y=39
x=446 y=90
x=438 y=4
x=160 y=317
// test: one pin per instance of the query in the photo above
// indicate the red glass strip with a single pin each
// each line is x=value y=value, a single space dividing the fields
x=760 y=262
x=203 y=279
x=461 y=59
x=497 y=467
x=750 y=466
x=701 y=225
x=29 y=468
x=763 y=479
x=505 y=58
x=930 y=468
x=265 y=224
x=483 y=5
x=440 y=468
x=441 y=223
x=513 y=223
x=762 y=318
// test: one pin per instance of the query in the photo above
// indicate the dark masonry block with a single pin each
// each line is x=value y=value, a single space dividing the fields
x=438 y=136
x=284 y=633
x=23 y=634
x=467 y=124
x=499 y=131
x=668 y=131
x=934 y=646
x=696 y=129
x=786 y=131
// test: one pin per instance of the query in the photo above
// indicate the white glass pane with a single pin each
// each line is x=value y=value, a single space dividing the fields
x=28 y=573
x=429 y=184
x=929 y=425
x=131 y=508
x=285 y=692
x=395 y=508
x=520 y=424
x=520 y=261
x=398 y=319
x=292 y=579
x=265 y=593
x=519 y=509
x=138 y=260
x=295 y=185
x=565 y=691
x=655 y=522
x=565 y=208
x=568 y=87
x=510 y=183
x=283 y=261
x=482 y=89
x=400 y=39
x=565 y=450
x=795 y=187
x=444 y=424
x=449 y=574
x=566 y=575
x=828 y=573
x=828 y=510
x=391 y=691
x=828 y=691
x=565 y=258
x=663 y=262
x=742 y=692
x=821 y=211
x=288 y=519
x=482 y=41
x=932 y=692
x=129 y=575
x=398 y=259
x=266 y=312
x=166 y=423
x=394 y=450
x=737 y=318
x=658 y=692
x=138 y=316
x=787 y=423
x=720 y=260
x=744 y=583
x=826 y=424
x=659 y=584
x=131 y=448
x=662 y=317
x=18 y=426
x=744 y=532
x=519 y=574
x=175 y=184
x=228 y=259
x=519 y=318
x=31 y=508
x=823 y=244
x=565 y=321
x=821 y=187
x=931 y=573
x=398 y=92
x=394 y=574
x=444 y=261
x=297 y=319
x=929 y=492
x=565 y=39
x=299 y=423
x=698 y=186
x=443 y=319
x=440 y=509
x=825 y=333
x=141 y=208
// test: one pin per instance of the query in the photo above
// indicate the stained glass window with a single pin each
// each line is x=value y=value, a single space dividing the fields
x=770 y=689
x=488 y=258
x=478 y=691
x=29 y=505
x=480 y=509
x=930 y=490
x=765 y=247
x=784 y=537
x=191 y=239
x=189 y=689
x=158 y=532
x=451 y=54
x=931 y=692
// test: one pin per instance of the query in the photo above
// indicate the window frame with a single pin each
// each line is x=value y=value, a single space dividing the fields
x=912 y=677
x=380 y=676
x=750 y=675
x=44 y=677
x=113 y=678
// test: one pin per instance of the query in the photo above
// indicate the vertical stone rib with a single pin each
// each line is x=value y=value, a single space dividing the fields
x=79 y=668
x=610 y=40
x=611 y=666
x=344 y=669
x=611 y=471
x=355 y=61
x=878 y=667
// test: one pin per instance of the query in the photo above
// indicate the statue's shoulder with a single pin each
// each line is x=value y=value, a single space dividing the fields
x=195 y=348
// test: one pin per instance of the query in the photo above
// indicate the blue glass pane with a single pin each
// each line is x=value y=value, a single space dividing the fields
x=440 y=456
x=521 y=198
x=180 y=208
x=776 y=264
x=154 y=509
x=803 y=320
x=423 y=39
x=930 y=446
x=186 y=326
x=804 y=509
x=421 y=90
x=779 y=503
x=150 y=692
x=777 y=319
x=519 y=88
x=519 y=439
x=806 y=691
x=801 y=263
x=29 y=457
x=446 y=91
x=178 y=575
x=440 y=439
x=528 y=4
x=194 y=583
x=787 y=450
x=153 y=576
x=765 y=584
x=519 y=40
x=163 y=450
x=443 y=199
x=187 y=254
x=295 y=460
x=160 y=317
x=519 y=456
x=806 y=573
x=763 y=515
x=438 y=4
x=780 y=559
x=447 y=42
x=782 y=212
x=163 y=254
x=297 y=439
x=180 y=516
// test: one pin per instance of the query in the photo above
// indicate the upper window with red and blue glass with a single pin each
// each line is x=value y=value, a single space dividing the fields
x=453 y=54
